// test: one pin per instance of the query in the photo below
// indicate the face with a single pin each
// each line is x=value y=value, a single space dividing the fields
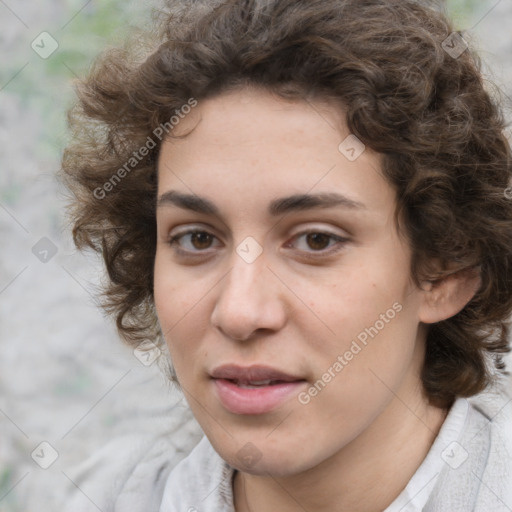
x=291 y=322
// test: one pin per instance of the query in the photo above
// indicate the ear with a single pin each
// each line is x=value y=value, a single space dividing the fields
x=445 y=297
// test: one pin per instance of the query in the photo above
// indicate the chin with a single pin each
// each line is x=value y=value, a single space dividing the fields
x=268 y=468
x=268 y=461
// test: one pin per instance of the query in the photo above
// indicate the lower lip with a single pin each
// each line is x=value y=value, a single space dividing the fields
x=254 y=400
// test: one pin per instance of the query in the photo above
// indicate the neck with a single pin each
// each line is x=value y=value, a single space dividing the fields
x=365 y=476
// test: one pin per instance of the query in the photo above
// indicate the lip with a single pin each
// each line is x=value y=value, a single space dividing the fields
x=257 y=400
x=251 y=373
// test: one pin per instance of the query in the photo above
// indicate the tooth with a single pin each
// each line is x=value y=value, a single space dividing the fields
x=254 y=384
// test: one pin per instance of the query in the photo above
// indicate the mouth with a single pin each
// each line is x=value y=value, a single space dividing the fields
x=254 y=384
x=255 y=374
x=254 y=389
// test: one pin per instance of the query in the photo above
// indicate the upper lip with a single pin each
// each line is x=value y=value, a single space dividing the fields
x=253 y=373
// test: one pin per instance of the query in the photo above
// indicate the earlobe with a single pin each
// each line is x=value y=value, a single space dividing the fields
x=445 y=297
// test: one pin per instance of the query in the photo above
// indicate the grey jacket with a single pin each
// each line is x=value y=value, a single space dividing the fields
x=156 y=474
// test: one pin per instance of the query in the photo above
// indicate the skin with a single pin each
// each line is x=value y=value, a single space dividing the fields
x=298 y=306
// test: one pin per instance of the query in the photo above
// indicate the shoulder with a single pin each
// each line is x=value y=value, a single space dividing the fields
x=202 y=481
x=130 y=472
x=495 y=479
x=477 y=472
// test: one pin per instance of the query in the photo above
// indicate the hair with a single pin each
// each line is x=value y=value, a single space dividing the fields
x=439 y=132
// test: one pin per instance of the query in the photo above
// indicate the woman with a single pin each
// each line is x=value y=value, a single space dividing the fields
x=306 y=201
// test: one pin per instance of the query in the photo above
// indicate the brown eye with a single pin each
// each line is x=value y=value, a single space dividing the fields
x=192 y=242
x=318 y=241
x=201 y=240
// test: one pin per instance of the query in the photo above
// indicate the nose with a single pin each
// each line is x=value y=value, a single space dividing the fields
x=250 y=299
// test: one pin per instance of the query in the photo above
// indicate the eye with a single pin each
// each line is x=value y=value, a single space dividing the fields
x=319 y=242
x=193 y=241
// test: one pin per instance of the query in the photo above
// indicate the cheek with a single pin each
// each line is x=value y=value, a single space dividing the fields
x=354 y=381
x=371 y=312
x=175 y=292
x=356 y=298
x=174 y=303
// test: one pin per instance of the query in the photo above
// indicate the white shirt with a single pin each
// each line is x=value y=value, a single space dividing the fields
x=159 y=470
x=446 y=449
x=455 y=476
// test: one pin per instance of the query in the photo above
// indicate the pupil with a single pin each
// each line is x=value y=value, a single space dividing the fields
x=314 y=238
x=203 y=240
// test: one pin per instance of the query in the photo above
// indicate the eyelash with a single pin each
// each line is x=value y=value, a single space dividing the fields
x=173 y=242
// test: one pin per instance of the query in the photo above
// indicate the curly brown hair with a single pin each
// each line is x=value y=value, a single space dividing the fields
x=440 y=134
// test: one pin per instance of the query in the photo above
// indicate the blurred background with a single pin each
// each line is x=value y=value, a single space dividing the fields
x=65 y=378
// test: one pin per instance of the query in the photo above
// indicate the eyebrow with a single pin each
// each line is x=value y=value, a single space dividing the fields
x=293 y=203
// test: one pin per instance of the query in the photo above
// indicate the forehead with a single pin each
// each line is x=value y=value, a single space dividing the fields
x=249 y=144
